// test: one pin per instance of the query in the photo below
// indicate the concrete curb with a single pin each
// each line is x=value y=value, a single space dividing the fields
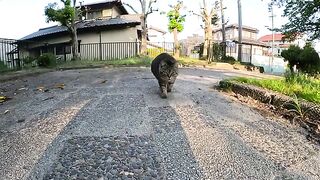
x=271 y=97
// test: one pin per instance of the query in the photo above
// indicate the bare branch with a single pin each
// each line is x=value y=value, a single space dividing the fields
x=150 y=10
x=197 y=14
x=134 y=10
x=213 y=12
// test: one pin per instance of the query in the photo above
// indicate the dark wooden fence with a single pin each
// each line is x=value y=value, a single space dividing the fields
x=9 y=53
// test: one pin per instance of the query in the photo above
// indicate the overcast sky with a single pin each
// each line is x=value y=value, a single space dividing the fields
x=21 y=17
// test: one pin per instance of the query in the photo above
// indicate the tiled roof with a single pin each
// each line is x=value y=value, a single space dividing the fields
x=266 y=38
x=87 y=24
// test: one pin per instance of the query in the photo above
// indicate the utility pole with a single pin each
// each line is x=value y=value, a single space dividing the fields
x=240 y=31
x=223 y=30
x=272 y=44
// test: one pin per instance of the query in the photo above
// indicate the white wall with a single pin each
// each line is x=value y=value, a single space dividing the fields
x=277 y=66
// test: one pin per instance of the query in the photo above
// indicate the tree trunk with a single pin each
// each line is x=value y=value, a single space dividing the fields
x=291 y=69
x=207 y=40
x=144 y=35
x=74 y=37
x=209 y=35
x=176 y=43
x=74 y=42
x=205 y=45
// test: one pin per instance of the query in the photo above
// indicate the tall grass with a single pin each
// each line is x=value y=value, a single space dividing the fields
x=303 y=86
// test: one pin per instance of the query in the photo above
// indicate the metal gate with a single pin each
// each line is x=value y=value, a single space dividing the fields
x=9 y=53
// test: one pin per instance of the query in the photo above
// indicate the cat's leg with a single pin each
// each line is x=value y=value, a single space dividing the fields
x=170 y=83
x=163 y=89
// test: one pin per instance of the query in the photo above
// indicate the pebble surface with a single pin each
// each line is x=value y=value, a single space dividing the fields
x=122 y=129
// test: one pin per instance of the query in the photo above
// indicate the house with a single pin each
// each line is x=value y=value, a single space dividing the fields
x=280 y=43
x=250 y=44
x=105 y=31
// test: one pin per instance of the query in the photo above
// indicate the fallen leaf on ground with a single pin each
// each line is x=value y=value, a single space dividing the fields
x=42 y=89
x=4 y=98
x=22 y=89
x=21 y=120
x=60 y=86
x=5 y=112
x=104 y=81
x=48 y=98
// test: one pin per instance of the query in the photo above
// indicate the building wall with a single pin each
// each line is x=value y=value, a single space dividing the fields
x=104 y=13
x=118 y=50
x=115 y=12
x=123 y=35
x=232 y=33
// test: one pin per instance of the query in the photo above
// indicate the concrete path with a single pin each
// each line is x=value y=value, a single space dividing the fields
x=111 y=123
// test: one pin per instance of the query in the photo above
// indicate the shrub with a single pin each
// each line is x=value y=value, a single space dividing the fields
x=28 y=60
x=229 y=59
x=309 y=60
x=292 y=56
x=3 y=67
x=46 y=60
x=306 y=60
x=216 y=50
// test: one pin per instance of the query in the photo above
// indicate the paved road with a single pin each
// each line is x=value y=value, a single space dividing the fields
x=109 y=123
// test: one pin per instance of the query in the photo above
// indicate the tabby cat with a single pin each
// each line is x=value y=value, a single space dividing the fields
x=165 y=68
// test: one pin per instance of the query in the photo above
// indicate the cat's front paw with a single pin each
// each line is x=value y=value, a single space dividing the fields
x=163 y=95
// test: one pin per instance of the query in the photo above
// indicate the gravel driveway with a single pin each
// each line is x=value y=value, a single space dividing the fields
x=111 y=123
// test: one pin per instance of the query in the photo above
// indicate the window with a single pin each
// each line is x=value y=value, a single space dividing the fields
x=94 y=14
x=59 y=50
x=68 y=49
x=107 y=13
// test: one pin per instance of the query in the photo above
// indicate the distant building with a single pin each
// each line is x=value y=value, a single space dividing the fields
x=251 y=46
x=191 y=44
x=280 y=43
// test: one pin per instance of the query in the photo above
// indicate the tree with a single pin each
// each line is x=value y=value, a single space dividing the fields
x=292 y=56
x=209 y=16
x=146 y=9
x=66 y=17
x=303 y=18
x=306 y=60
x=175 y=25
x=309 y=60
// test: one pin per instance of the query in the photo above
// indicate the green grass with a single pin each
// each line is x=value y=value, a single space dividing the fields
x=191 y=61
x=135 y=61
x=302 y=86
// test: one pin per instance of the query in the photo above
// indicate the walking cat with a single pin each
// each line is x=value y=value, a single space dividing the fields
x=165 y=68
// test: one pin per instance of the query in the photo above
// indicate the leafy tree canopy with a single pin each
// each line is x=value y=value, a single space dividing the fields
x=303 y=18
x=63 y=15
x=306 y=59
x=176 y=20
